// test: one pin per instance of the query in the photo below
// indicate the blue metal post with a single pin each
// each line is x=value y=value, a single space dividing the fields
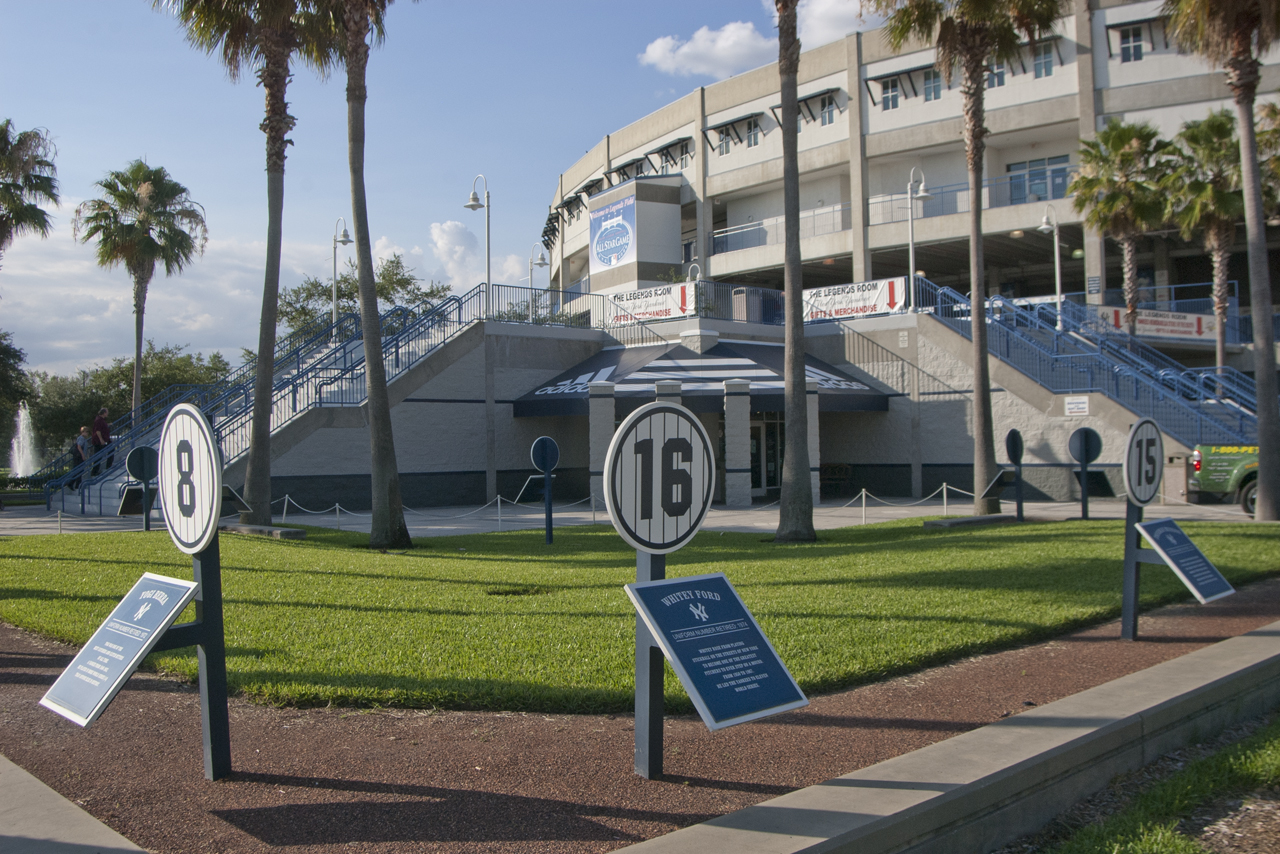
x=649 y=679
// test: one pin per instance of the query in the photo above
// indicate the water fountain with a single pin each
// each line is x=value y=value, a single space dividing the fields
x=22 y=450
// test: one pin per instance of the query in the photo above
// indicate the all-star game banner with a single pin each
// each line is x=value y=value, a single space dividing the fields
x=613 y=235
x=860 y=299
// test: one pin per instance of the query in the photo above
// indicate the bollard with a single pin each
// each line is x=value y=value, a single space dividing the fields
x=864 y=505
x=59 y=521
x=286 y=509
x=944 y=498
x=337 y=514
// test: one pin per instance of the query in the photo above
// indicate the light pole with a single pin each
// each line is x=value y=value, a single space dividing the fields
x=1052 y=226
x=541 y=262
x=474 y=204
x=345 y=240
x=912 y=196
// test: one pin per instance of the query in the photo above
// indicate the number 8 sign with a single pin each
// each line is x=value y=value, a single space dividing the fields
x=1144 y=462
x=658 y=477
x=190 y=478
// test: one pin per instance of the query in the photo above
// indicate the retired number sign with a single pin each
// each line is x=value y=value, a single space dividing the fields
x=1144 y=462
x=190 y=479
x=659 y=475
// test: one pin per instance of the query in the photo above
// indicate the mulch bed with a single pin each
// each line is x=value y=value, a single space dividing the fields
x=330 y=780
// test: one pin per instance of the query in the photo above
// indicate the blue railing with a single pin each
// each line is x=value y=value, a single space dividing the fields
x=1057 y=361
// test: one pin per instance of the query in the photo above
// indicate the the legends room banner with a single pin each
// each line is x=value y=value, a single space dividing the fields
x=1165 y=324
x=860 y=299
x=613 y=235
x=665 y=302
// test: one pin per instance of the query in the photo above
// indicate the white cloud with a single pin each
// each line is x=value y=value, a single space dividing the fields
x=385 y=247
x=739 y=46
x=457 y=250
x=734 y=47
x=512 y=270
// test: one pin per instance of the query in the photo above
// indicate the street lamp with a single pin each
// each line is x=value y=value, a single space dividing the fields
x=345 y=240
x=1046 y=227
x=541 y=262
x=474 y=204
x=912 y=196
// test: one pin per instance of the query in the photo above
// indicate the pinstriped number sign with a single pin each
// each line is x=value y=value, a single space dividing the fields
x=190 y=478
x=658 y=477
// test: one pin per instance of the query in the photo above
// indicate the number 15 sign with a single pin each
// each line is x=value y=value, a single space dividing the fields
x=659 y=476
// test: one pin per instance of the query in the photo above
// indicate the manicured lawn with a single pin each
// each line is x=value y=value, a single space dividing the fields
x=502 y=621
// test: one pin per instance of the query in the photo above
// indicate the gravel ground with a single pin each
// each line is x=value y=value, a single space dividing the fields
x=343 y=780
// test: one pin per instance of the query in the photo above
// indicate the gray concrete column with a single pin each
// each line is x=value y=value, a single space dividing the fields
x=815 y=461
x=857 y=161
x=1095 y=277
x=600 y=420
x=701 y=159
x=668 y=391
x=490 y=420
x=737 y=443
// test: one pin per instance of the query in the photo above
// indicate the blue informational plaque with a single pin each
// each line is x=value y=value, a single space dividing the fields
x=717 y=649
x=1183 y=557
x=100 y=670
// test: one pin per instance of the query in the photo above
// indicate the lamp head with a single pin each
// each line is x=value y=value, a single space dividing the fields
x=923 y=192
x=1077 y=254
x=1045 y=227
x=344 y=239
x=542 y=261
x=1017 y=234
x=474 y=203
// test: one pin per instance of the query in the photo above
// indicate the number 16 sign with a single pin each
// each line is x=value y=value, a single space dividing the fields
x=659 y=476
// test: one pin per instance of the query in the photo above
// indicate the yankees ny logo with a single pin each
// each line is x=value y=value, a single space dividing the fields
x=146 y=606
x=699 y=611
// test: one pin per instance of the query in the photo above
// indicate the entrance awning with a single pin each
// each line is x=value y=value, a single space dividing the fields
x=634 y=371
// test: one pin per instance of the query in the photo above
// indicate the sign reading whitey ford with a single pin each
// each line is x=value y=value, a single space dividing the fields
x=106 y=662
x=613 y=235
x=1165 y=324
x=731 y=671
x=856 y=300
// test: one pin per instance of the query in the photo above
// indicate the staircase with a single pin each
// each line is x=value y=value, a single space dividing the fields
x=325 y=368
x=1080 y=359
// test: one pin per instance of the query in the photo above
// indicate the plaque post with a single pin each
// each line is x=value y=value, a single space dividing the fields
x=650 y=679
x=212 y=656
x=1132 y=572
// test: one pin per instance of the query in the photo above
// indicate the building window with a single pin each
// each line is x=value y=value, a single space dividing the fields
x=725 y=141
x=932 y=85
x=995 y=77
x=889 y=94
x=1044 y=60
x=1037 y=180
x=1130 y=44
x=827 y=110
x=753 y=133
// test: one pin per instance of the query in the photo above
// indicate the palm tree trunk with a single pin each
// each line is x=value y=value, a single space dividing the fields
x=388 y=528
x=1220 y=254
x=1242 y=78
x=140 y=282
x=1129 y=265
x=277 y=124
x=984 y=446
x=795 y=508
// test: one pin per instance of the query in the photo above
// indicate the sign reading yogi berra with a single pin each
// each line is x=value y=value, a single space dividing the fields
x=613 y=235
x=723 y=659
x=190 y=479
x=659 y=473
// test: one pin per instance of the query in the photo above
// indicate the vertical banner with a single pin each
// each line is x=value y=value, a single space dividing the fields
x=613 y=235
x=856 y=300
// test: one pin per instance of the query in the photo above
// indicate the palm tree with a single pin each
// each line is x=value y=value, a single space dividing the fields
x=969 y=36
x=358 y=20
x=27 y=179
x=795 y=507
x=262 y=35
x=1232 y=35
x=144 y=218
x=1118 y=190
x=1202 y=190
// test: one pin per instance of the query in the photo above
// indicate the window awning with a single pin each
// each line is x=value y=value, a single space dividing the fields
x=803 y=102
x=634 y=371
x=590 y=188
x=1149 y=23
x=731 y=125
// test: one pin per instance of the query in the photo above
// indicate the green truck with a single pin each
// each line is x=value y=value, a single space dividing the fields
x=1225 y=470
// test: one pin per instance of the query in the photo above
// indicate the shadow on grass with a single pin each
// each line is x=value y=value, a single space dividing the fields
x=435 y=814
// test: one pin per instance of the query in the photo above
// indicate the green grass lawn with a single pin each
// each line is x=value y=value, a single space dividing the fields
x=502 y=621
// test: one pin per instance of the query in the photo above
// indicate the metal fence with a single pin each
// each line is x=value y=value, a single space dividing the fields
x=1000 y=192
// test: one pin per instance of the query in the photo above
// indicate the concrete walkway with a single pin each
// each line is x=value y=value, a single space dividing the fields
x=35 y=819
x=446 y=521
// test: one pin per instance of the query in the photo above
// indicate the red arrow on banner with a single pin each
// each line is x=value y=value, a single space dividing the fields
x=1199 y=325
x=892 y=300
x=1117 y=318
x=682 y=299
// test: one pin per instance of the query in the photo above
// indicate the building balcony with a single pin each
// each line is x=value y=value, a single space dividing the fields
x=1004 y=191
x=768 y=232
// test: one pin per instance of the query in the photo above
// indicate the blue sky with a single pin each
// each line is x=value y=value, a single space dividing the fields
x=514 y=90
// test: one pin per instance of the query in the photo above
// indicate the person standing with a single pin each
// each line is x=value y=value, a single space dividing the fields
x=102 y=438
x=83 y=447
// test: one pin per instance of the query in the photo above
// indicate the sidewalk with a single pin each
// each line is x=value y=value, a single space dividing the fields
x=446 y=521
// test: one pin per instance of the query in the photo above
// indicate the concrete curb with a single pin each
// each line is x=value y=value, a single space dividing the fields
x=984 y=788
x=37 y=820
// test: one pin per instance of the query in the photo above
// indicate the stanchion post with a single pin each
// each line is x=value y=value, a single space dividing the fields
x=1132 y=572
x=286 y=509
x=337 y=514
x=59 y=521
x=944 y=498
x=650 y=677
x=864 y=505
x=499 y=512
